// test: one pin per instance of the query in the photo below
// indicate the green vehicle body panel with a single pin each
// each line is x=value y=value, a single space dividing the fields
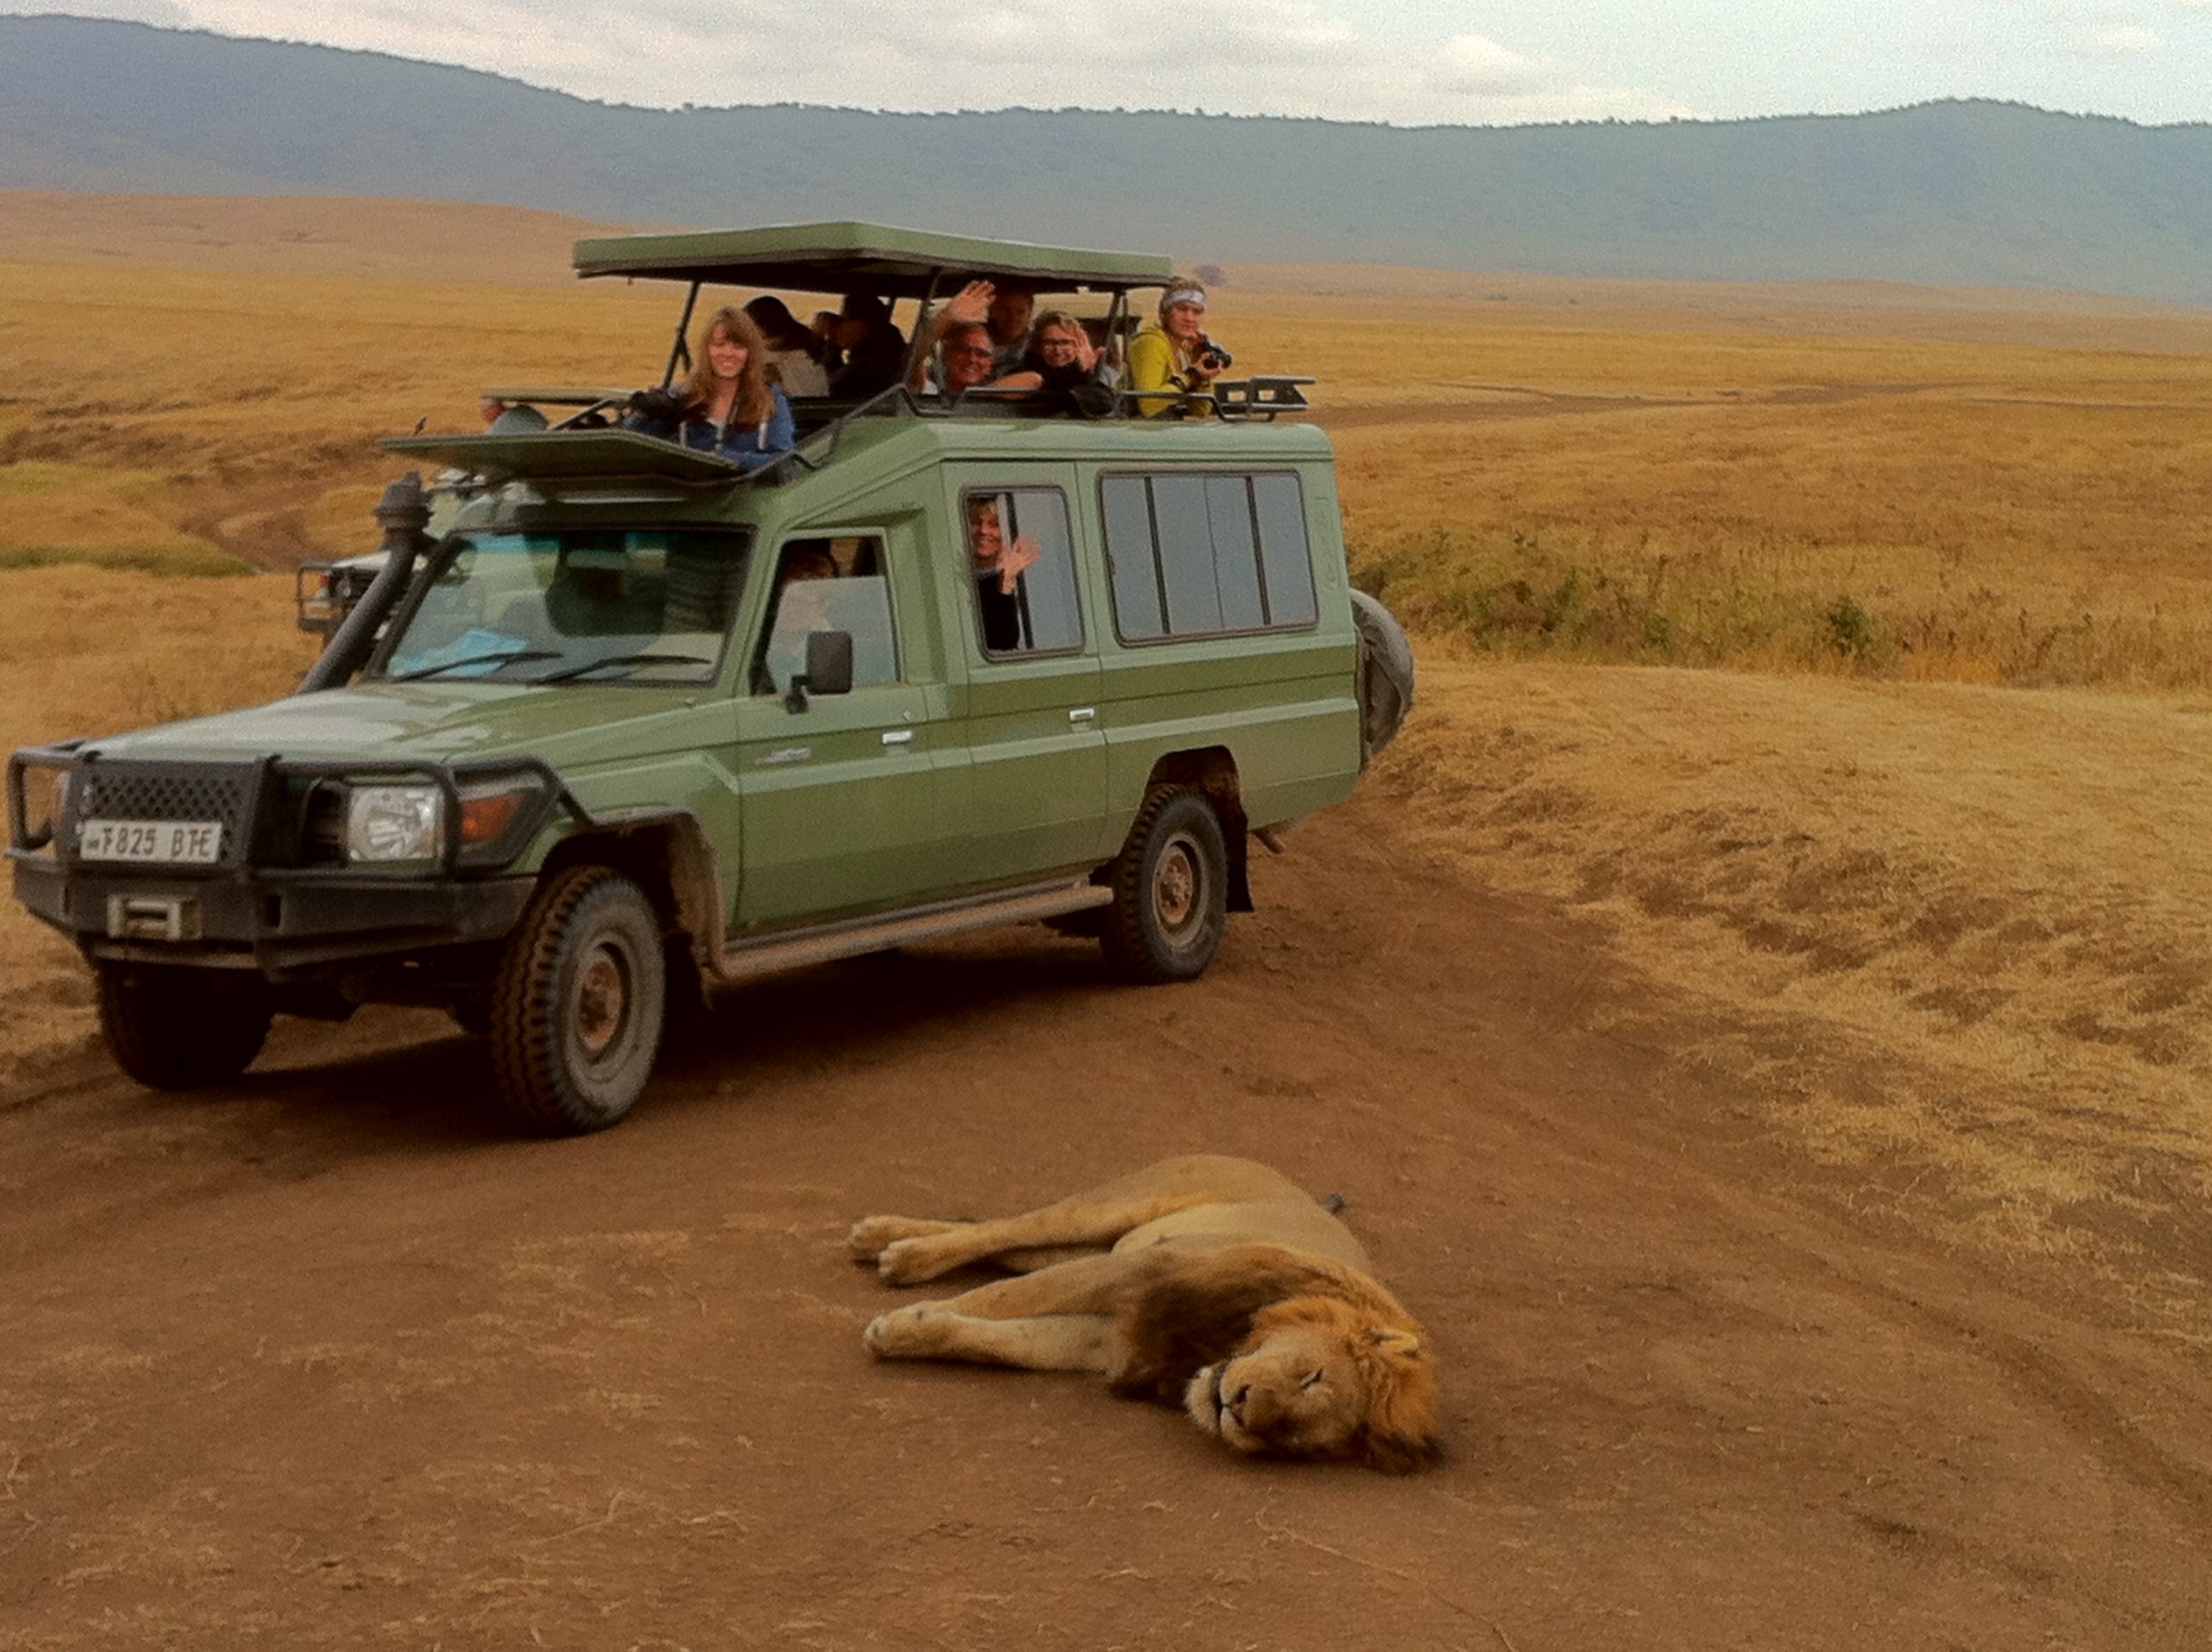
x=590 y=456
x=986 y=780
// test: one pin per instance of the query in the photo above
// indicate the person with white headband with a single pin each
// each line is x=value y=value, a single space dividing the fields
x=1174 y=353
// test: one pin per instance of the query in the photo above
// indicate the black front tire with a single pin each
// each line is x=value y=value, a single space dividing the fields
x=579 y=1003
x=1170 y=888
x=175 y=1027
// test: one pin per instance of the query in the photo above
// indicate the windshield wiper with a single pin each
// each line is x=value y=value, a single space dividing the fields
x=475 y=659
x=623 y=659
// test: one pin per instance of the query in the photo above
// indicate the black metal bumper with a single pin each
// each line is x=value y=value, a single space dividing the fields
x=278 y=925
x=257 y=906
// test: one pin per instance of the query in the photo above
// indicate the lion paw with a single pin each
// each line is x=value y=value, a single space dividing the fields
x=904 y=1332
x=912 y=1261
x=872 y=1234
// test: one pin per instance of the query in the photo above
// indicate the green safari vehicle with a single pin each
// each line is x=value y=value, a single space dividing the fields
x=630 y=722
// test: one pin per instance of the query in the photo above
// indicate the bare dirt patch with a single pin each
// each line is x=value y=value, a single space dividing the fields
x=322 y=1358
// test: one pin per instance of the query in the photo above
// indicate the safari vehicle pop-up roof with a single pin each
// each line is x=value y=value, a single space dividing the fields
x=890 y=263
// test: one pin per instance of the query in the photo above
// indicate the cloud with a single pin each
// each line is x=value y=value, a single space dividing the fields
x=167 y=13
x=1317 y=57
x=2117 y=41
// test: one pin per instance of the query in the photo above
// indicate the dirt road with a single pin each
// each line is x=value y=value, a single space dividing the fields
x=327 y=1359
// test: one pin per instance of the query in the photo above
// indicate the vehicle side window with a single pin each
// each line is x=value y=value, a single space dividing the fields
x=828 y=584
x=1195 y=553
x=1023 y=532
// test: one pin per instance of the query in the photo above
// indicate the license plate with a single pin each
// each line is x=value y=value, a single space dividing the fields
x=158 y=842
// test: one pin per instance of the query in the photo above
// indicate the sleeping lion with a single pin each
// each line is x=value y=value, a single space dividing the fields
x=1213 y=1284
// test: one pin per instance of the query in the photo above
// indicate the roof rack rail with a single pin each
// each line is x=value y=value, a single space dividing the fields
x=1258 y=398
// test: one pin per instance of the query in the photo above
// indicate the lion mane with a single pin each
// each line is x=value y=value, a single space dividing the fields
x=1213 y=1285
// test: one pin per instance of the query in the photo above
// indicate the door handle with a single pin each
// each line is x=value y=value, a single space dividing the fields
x=898 y=736
x=1083 y=714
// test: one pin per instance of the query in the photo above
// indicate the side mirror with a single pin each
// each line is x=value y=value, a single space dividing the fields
x=828 y=668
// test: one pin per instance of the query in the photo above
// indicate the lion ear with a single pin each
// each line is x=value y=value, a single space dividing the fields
x=1400 y=1431
x=1393 y=1344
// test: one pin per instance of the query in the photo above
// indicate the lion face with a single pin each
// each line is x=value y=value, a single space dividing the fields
x=1316 y=1378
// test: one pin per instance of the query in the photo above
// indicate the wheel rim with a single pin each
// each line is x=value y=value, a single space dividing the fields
x=602 y=1002
x=1178 y=888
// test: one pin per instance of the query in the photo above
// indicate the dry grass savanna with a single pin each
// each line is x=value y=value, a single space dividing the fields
x=1841 y=650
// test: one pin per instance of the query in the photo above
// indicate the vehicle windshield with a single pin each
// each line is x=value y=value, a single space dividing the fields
x=641 y=605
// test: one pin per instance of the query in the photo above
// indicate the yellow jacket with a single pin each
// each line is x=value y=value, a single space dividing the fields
x=1157 y=363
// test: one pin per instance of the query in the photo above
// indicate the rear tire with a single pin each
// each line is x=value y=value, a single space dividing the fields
x=579 y=1002
x=176 y=1028
x=1170 y=888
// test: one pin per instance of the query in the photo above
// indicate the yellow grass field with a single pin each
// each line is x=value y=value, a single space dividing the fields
x=1844 y=651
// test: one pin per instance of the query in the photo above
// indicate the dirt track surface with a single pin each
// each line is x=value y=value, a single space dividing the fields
x=326 y=1359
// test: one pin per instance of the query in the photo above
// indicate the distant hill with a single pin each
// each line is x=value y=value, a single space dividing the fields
x=1964 y=193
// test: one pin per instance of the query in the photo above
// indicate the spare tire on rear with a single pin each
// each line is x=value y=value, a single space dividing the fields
x=1385 y=679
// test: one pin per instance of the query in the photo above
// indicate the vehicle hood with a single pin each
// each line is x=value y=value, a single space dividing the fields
x=571 y=724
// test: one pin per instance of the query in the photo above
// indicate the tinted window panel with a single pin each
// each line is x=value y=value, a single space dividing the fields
x=1052 y=616
x=1129 y=557
x=1186 y=548
x=1284 y=554
x=817 y=590
x=1235 y=557
x=1042 y=614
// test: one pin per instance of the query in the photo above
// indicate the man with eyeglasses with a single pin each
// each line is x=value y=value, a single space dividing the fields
x=966 y=358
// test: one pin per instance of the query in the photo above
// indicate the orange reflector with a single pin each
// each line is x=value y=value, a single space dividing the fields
x=484 y=819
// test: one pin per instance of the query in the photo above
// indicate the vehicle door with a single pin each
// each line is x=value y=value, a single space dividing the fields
x=1036 y=784
x=841 y=793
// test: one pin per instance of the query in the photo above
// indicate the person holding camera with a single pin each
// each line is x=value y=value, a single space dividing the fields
x=726 y=407
x=1175 y=355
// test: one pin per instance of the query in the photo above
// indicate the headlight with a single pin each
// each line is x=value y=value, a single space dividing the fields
x=45 y=799
x=394 y=822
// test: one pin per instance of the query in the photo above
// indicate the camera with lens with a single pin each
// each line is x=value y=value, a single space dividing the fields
x=657 y=406
x=1212 y=357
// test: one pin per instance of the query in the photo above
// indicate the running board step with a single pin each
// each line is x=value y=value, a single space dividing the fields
x=770 y=954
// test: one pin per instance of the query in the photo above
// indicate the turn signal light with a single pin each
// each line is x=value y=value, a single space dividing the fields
x=485 y=819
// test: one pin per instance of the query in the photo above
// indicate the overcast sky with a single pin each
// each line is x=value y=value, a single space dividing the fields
x=1409 y=62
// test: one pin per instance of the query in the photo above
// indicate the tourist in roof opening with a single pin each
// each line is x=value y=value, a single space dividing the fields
x=1174 y=353
x=965 y=359
x=794 y=353
x=727 y=405
x=1065 y=366
x=865 y=353
x=1003 y=307
x=1013 y=304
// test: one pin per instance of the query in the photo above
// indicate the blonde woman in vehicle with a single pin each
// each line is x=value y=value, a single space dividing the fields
x=1065 y=366
x=1173 y=353
x=727 y=406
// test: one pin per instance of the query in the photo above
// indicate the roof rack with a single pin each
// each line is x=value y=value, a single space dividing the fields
x=1259 y=399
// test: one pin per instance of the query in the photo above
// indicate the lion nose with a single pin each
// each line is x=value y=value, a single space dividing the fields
x=1234 y=1399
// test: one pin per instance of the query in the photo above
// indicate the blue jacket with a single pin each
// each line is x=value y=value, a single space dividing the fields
x=750 y=445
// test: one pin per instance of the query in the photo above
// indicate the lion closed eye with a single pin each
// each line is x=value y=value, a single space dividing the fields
x=1215 y=1285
